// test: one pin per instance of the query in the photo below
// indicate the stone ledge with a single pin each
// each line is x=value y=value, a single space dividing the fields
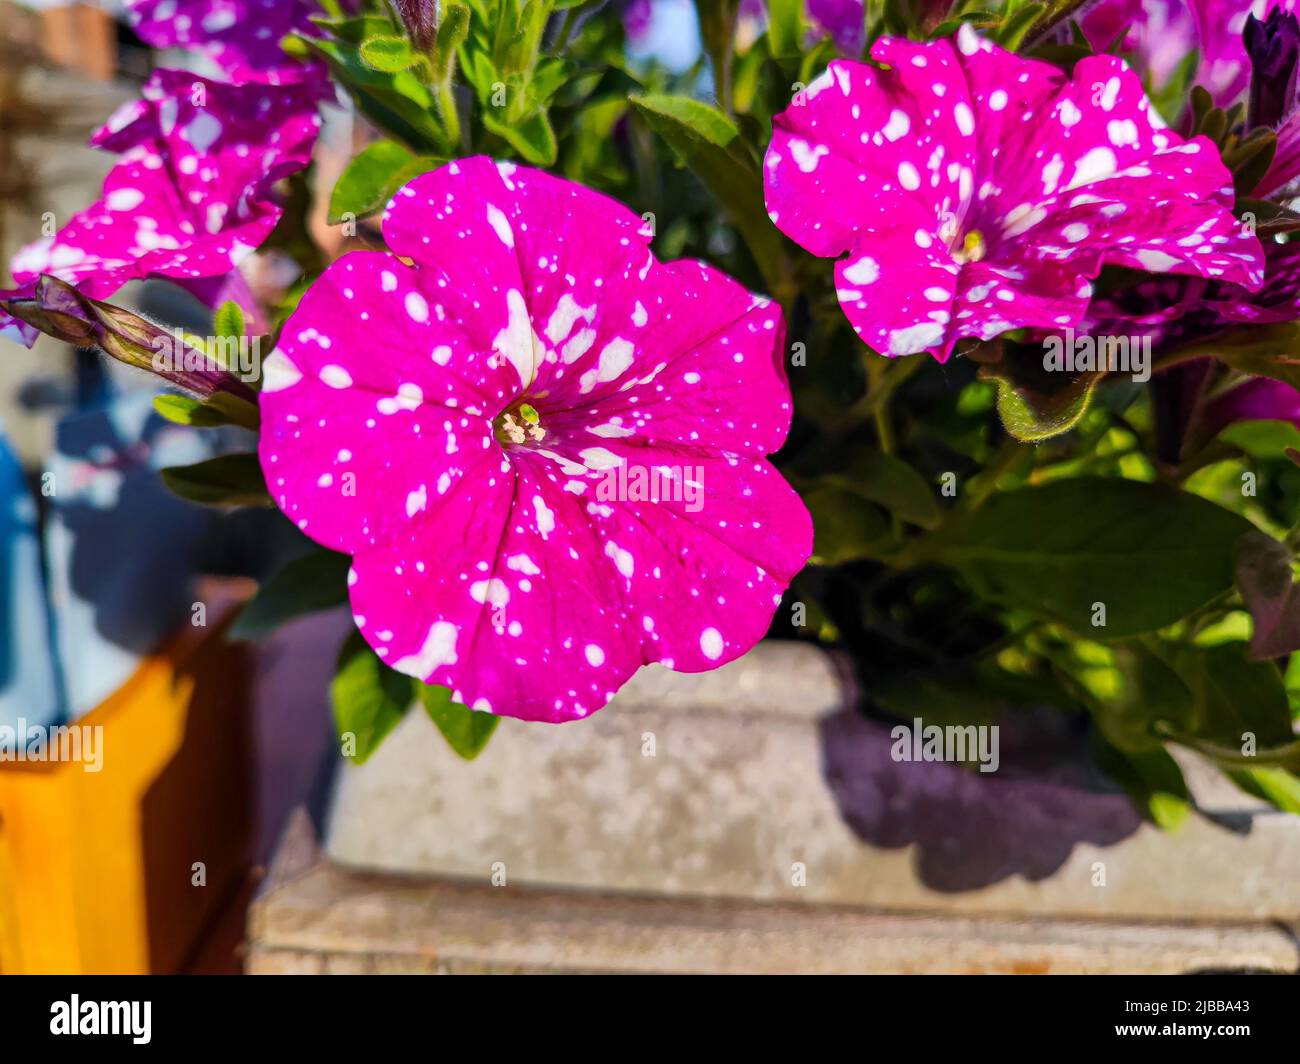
x=317 y=917
x=761 y=766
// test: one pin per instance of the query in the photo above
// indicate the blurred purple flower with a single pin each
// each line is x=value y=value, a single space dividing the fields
x=1159 y=34
x=843 y=20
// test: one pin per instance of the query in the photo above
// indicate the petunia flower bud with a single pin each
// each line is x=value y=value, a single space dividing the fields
x=1274 y=48
x=58 y=309
x=421 y=20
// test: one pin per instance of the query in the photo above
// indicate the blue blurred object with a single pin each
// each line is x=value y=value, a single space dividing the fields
x=666 y=31
x=120 y=547
x=28 y=684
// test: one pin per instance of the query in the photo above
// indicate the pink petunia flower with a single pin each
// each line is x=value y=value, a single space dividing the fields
x=1177 y=310
x=193 y=193
x=972 y=191
x=241 y=37
x=487 y=430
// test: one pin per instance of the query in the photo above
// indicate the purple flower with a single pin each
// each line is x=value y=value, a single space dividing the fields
x=193 y=193
x=242 y=37
x=1176 y=310
x=473 y=427
x=970 y=191
x=843 y=20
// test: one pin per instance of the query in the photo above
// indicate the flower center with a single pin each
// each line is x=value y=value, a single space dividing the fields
x=519 y=424
x=971 y=248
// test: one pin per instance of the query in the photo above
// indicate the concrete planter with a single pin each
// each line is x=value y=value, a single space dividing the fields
x=698 y=817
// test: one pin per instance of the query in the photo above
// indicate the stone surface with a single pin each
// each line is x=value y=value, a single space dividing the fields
x=315 y=917
x=763 y=786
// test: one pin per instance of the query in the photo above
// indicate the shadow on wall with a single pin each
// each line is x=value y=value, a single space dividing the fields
x=974 y=829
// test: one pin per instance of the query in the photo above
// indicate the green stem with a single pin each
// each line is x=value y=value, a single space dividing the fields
x=884 y=431
x=722 y=77
x=985 y=482
x=450 y=115
x=566 y=29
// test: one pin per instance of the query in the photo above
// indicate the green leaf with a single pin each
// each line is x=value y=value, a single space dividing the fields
x=355 y=30
x=1152 y=780
x=1257 y=350
x=785 y=30
x=1276 y=786
x=1034 y=402
x=315 y=581
x=229 y=320
x=219 y=409
x=1014 y=28
x=397 y=102
x=845 y=527
x=1228 y=698
x=1147 y=552
x=452 y=32
x=1262 y=438
x=709 y=143
x=369 y=699
x=949 y=26
x=531 y=137
x=388 y=54
x=1250 y=159
x=186 y=410
x=230 y=480
x=548 y=78
x=1267 y=219
x=686 y=123
x=466 y=731
x=890 y=482
x=373 y=176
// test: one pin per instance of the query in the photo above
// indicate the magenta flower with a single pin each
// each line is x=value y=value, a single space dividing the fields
x=241 y=37
x=1177 y=310
x=192 y=194
x=972 y=192
x=544 y=449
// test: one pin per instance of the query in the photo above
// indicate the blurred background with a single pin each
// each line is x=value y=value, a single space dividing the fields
x=115 y=595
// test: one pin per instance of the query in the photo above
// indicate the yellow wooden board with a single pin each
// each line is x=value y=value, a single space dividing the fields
x=98 y=870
